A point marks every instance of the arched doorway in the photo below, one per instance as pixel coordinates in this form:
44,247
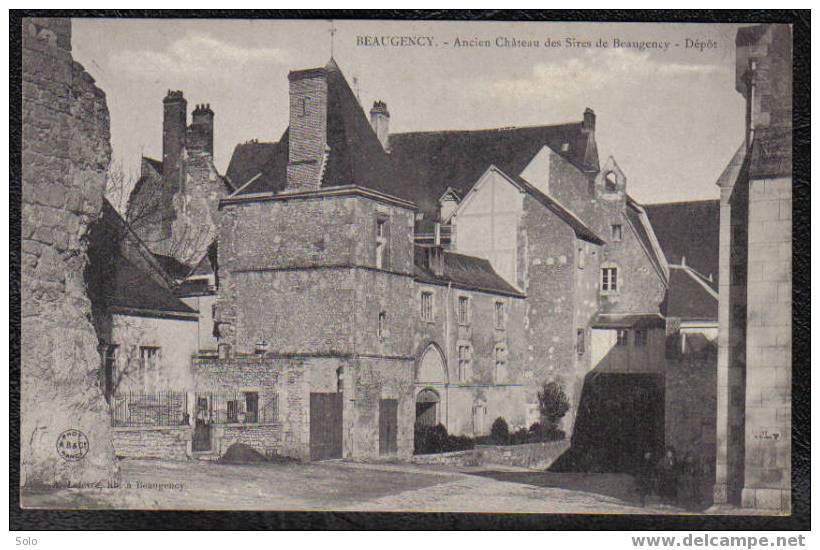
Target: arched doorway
427,403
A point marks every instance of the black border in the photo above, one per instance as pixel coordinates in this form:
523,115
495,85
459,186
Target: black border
20,519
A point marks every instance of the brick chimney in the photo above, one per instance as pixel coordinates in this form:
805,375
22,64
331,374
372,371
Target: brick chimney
174,127
588,125
380,121
308,128
201,134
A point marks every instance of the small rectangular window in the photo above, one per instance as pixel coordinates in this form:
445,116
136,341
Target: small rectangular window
623,337
382,243
500,364
617,232
463,310
582,260
640,338
149,356
427,306
500,315
382,327
580,344
464,363
609,279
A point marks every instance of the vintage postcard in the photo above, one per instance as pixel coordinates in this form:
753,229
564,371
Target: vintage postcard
430,266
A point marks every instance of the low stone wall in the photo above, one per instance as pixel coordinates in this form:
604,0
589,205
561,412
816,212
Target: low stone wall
169,443
530,455
266,439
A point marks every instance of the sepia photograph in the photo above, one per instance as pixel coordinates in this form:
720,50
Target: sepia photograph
371,265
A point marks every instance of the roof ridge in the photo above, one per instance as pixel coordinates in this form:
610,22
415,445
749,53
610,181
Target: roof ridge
477,130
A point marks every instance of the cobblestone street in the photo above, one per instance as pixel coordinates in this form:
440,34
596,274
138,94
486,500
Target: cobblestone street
352,486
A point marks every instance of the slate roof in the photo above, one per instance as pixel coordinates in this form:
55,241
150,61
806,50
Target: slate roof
176,269
427,163
420,167
356,154
645,231
135,290
690,296
688,230
627,320
127,285
462,271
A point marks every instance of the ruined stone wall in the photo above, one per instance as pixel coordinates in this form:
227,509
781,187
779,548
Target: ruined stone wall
65,156
166,443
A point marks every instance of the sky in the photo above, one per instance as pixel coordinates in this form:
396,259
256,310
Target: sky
669,116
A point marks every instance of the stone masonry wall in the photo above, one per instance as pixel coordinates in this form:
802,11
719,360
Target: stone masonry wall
549,248
768,346
159,443
65,156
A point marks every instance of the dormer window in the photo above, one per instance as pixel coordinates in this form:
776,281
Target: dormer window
610,182
564,147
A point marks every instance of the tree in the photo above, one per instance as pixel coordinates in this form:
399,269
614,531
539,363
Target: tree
552,403
500,432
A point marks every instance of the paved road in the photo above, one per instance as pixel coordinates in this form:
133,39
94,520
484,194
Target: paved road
352,486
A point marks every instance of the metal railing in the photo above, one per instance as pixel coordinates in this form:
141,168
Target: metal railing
238,407
139,408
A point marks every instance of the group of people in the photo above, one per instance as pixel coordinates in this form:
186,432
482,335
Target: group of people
672,480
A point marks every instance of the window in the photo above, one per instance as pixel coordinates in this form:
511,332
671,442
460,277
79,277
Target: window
610,182
463,311
609,280
303,106
582,260
382,239
233,411
251,407
340,379
149,356
623,337
382,327
427,306
640,338
464,363
500,315
580,344
500,364
617,232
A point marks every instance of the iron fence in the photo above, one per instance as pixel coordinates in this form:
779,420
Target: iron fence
238,407
139,408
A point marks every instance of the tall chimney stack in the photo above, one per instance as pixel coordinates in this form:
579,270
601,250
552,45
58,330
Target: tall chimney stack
307,136
588,125
174,126
380,121
202,130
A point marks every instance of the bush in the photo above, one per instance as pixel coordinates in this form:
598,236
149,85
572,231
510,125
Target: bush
435,439
552,404
500,432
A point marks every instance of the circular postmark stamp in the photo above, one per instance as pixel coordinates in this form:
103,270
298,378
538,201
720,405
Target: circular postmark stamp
72,445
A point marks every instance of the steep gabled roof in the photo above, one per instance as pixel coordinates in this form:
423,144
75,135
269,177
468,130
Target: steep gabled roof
463,271
136,292
427,163
688,233
356,156
173,267
690,296
639,221
420,167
